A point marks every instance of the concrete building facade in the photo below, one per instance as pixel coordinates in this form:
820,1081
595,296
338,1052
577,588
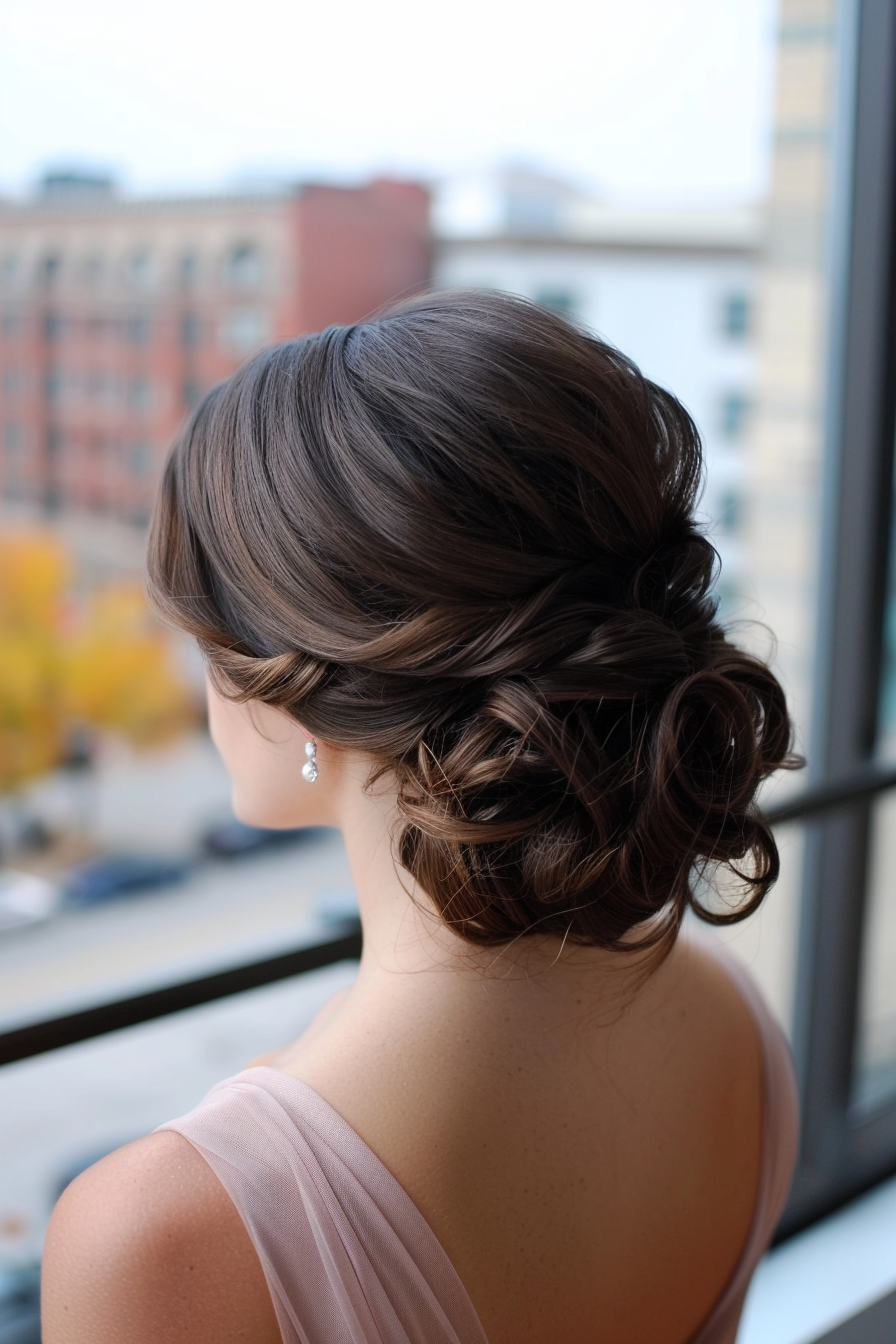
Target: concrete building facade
673,289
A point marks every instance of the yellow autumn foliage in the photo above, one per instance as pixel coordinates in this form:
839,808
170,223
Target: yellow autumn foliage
64,664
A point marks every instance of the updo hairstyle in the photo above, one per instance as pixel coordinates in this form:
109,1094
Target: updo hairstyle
459,537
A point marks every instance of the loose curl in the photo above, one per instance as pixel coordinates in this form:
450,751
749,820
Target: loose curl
460,538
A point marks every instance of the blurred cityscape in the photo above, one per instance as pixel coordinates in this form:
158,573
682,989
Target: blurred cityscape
117,313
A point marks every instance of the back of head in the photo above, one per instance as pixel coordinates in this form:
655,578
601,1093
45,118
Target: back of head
460,538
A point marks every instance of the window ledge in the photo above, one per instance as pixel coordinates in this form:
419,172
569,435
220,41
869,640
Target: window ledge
811,1288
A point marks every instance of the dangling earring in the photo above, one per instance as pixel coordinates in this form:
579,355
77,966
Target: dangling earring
309,769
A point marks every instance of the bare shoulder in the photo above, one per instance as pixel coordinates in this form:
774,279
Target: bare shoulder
146,1247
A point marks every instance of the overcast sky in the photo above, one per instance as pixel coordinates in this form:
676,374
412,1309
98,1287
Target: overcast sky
644,99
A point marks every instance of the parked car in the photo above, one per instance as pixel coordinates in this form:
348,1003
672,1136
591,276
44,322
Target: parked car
120,875
20,1304
26,899
228,839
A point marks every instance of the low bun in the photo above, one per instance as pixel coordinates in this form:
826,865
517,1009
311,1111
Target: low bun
460,539
582,799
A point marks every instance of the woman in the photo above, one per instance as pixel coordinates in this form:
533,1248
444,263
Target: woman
445,572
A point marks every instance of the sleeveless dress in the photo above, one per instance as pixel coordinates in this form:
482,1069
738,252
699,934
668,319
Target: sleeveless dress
348,1256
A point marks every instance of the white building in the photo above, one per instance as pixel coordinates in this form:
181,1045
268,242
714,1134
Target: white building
673,289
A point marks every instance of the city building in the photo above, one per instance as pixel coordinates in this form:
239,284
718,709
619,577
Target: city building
673,289
116,315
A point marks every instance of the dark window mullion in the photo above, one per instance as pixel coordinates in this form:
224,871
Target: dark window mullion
855,524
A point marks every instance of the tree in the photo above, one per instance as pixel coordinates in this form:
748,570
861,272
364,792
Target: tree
68,663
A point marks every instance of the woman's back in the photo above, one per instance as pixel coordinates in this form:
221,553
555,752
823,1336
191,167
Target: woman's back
590,1178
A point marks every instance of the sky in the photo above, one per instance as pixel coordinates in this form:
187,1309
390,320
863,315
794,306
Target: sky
642,100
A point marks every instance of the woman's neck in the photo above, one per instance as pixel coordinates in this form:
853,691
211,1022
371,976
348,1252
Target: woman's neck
409,950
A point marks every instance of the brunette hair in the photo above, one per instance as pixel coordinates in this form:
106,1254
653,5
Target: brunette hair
460,537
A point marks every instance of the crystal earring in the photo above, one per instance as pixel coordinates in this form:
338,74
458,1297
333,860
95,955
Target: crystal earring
309,769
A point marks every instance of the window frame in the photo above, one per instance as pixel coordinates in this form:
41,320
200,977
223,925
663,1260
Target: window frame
843,1151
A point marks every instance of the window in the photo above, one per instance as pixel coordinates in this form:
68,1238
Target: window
50,268
94,269
140,461
244,268
141,269
139,330
188,269
190,331
835,898
54,327
561,300
14,475
730,511
12,382
736,315
140,395
13,438
244,331
10,323
10,270
734,410
191,394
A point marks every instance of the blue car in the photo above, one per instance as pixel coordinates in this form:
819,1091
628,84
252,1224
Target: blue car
119,875
230,838
20,1304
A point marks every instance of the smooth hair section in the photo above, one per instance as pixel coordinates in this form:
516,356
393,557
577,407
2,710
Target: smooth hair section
460,537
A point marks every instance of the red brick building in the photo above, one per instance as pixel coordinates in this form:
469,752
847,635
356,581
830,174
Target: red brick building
116,315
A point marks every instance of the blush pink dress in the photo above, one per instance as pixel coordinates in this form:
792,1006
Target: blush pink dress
349,1258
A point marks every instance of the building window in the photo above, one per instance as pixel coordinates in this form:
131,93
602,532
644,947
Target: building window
141,269
735,410
140,461
736,315
13,438
11,323
50,268
140,395
112,389
139,330
244,267
188,269
561,300
12,382
730,512
54,327
244,331
10,271
94,266
191,394
53,387
190,331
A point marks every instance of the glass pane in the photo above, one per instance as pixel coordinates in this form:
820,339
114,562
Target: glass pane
766,942
228,910
783,451
694,239
875,1076
118,1087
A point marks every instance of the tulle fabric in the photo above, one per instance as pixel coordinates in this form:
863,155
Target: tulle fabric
349,1258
